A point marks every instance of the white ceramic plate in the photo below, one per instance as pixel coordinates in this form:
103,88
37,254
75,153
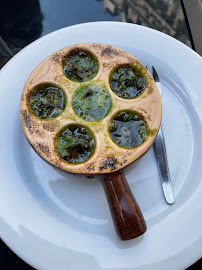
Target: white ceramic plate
56,221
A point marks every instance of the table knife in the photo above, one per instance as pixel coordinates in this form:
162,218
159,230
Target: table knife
161,156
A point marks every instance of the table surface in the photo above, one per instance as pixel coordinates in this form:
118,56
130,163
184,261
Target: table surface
22,22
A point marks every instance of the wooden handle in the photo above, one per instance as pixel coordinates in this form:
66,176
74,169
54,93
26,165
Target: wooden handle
127,216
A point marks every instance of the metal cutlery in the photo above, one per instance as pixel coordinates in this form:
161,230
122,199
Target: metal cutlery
161,156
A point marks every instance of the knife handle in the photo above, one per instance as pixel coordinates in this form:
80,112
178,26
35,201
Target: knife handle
162,162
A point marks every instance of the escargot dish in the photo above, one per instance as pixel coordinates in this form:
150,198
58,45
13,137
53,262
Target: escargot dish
90,108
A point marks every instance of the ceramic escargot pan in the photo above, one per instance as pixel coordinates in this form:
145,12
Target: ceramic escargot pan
90,109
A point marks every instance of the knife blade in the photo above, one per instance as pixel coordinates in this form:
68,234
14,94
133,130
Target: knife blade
161,155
